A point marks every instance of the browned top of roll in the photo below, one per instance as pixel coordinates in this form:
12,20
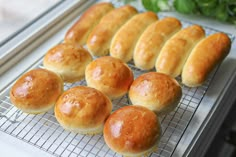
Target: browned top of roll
110,75
67,60
82,107
204,57
79,32
176,50
156,91
131,130
152,40
99,40
125,39
36,89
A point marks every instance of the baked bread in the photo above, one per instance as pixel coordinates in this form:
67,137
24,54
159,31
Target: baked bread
176,50
79,32
124,41
36,91
109,75
157,91
82,110
132,131
152,40
67,60
99,40
204,57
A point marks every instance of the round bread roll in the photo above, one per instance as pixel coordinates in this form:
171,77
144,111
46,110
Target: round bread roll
83,110
109,75
36,91
67,60
132,131
156,91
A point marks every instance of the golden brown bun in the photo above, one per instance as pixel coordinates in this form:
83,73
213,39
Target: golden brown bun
68,61
204,57
99,40
132,131
36,91
156,91
83,110
124,41
152,40
109,75
176,50
79,32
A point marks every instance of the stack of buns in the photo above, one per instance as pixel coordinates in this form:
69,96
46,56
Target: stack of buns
124,34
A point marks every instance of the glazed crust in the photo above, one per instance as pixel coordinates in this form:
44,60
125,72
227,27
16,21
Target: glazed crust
132,130
175,52
67,60
79,32
109,75
204,57
81,109
124,41
156,91
152,40
99,40
36,91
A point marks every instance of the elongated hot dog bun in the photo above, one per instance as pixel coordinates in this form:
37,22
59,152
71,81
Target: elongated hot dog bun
152,40
79,32
99,40
124,41
177,49
204,57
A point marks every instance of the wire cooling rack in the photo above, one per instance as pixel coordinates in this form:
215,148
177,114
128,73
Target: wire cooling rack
44,132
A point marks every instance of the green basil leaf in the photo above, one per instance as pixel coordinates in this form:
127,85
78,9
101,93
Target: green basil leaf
207,3
207,11
185,6
163,5
155,7
147,4
221,12
231,9
151,5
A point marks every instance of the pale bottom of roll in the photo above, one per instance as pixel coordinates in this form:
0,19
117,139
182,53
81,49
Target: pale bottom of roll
85,131
37,111
145,153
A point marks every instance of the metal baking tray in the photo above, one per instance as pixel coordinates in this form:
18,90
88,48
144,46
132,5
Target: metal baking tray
43,131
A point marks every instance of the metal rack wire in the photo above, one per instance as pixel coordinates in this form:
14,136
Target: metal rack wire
44,132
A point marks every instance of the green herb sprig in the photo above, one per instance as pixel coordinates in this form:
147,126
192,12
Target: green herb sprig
224,10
